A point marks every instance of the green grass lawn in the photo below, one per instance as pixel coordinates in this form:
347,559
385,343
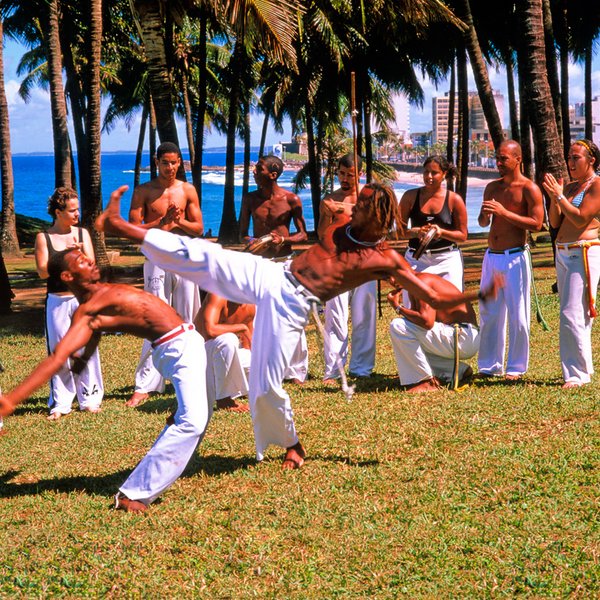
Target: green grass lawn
492,491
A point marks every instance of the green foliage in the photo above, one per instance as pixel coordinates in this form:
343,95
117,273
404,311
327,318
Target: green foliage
492,491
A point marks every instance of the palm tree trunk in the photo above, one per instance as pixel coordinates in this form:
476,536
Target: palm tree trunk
152,138
92,196
480,74
551,65
462,149
228,229
368,137
246,180
263,133
564,82
9,243
512,100
201,109
314,167
524,126
185,94
60,132
6,293
77,102
548,145
451,103
589,125
150,24
140,147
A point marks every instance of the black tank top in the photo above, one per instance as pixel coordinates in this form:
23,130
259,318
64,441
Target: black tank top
55,285
443,219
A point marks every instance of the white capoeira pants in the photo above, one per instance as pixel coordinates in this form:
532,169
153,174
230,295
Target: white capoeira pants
282,312
87,386
513,305
423,353
575,320
182,360
447,264
363,312
227,368
184,297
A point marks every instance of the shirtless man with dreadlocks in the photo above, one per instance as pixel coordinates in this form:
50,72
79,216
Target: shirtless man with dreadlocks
351,252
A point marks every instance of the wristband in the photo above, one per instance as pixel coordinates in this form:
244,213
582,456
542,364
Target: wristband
398,309
560,198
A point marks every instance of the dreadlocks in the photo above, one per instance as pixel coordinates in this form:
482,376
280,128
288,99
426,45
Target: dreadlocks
385,209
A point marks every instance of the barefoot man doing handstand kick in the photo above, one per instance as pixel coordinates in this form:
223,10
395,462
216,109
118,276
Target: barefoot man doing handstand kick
348,254
178,353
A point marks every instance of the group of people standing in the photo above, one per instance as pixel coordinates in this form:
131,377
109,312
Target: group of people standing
265,302
512,206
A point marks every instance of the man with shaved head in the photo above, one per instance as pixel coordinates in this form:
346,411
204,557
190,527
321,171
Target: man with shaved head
512,205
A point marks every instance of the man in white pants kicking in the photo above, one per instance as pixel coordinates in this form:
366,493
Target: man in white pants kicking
346,257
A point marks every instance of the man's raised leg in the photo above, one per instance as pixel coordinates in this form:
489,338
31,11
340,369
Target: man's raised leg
111,221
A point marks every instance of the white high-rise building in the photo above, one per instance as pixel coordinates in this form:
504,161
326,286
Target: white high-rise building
401,126
577,120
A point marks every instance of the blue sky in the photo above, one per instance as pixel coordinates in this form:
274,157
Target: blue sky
31,128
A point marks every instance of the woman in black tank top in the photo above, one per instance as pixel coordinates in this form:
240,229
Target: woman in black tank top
63,207
432,207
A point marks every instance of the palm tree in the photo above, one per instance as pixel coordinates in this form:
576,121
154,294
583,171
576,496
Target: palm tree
91,195
150,20
9,244
584,22
540,107
63,168
36,25
480,73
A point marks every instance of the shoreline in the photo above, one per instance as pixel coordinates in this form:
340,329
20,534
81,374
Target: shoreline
417,179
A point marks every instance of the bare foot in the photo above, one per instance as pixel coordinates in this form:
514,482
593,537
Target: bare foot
94,410
111,212
513,377
294,457
136,399
124,503
429,385
231,406
331,381
571,385
55,416
295,381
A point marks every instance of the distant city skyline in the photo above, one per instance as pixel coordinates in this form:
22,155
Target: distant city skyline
31,126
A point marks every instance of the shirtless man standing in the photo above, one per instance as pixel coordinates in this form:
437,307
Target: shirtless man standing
272,210
362,300
227,330
347,256
177,352
171,205
513,206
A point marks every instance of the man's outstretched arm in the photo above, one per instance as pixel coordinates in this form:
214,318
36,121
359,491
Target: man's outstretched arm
77,337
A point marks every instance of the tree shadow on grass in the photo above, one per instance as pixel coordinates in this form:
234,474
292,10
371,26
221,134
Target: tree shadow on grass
109,483
24,321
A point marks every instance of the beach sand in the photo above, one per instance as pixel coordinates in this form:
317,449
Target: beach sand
417,179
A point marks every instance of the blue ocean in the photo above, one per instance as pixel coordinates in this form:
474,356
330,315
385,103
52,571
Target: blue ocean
34,182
